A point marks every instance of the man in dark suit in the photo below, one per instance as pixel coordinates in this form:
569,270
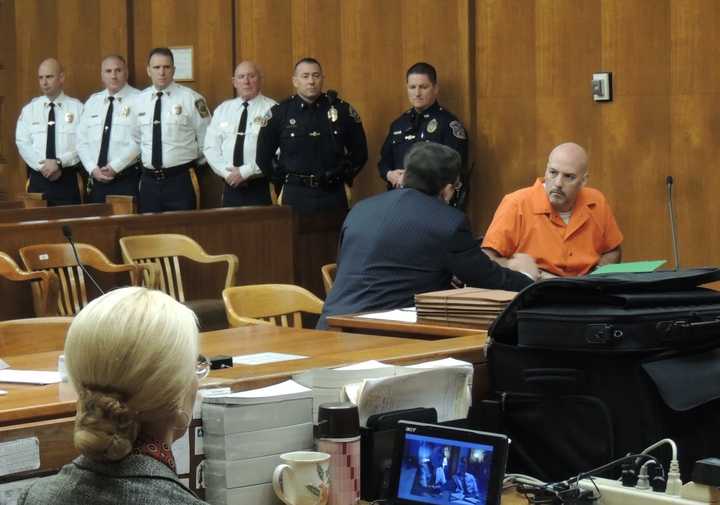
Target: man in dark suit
410,241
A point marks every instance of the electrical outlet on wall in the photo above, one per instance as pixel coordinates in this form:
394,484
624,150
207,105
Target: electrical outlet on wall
602,87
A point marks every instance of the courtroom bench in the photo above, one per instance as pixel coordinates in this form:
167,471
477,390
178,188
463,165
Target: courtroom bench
59,212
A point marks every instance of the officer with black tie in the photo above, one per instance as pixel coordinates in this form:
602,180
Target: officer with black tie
231,140
172,120
108,137
45,138
322,144
425,121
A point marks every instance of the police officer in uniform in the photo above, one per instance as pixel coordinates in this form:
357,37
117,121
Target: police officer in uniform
426,121
322,144
108,138
172,120
45,138
231,140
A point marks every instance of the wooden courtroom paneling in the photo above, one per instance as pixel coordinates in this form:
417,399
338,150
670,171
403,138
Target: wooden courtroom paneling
8,105
205,25
695,129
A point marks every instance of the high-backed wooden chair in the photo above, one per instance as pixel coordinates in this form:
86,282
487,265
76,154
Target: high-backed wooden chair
47,285
328,276
162,252
39,334
59,259
279,304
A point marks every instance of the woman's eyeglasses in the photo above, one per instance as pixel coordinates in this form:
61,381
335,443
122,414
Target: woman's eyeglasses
202,367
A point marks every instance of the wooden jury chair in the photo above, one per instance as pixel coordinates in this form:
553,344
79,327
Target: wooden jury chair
27,336
328,276
279,304
46,283
162,252
59,259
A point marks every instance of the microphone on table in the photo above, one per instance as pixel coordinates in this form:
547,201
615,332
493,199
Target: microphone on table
673,224
68,235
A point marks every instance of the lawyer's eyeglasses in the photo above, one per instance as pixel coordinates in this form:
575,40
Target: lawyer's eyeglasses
202,367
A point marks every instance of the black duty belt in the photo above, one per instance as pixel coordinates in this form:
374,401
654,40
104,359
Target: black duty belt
160,174
313,180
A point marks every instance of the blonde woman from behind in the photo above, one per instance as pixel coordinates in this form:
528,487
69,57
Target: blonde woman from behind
132,356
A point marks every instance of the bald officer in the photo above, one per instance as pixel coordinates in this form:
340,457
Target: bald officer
231,140
173,120
45,138
108,139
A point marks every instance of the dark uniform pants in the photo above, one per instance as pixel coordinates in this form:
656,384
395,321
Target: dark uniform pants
170,193
307,200
125,183
64,191
253,192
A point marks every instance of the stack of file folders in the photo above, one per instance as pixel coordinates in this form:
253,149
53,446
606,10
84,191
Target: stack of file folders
476,306
245,433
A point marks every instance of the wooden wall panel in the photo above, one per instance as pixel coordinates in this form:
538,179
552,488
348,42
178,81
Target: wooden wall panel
504,141
9,176
207,26
695,127
636,126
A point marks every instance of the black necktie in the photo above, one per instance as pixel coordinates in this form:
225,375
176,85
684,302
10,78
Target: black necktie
157,135
50,143
105,143
240,139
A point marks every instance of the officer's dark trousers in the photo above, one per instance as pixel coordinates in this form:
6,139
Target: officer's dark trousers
306,200
171,193
64,191
126,182
253,192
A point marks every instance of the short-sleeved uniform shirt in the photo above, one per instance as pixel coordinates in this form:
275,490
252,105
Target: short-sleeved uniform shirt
525,222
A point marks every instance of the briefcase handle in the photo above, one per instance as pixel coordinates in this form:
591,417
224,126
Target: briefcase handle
687,332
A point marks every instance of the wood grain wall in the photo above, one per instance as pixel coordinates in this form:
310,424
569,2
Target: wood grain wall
517,72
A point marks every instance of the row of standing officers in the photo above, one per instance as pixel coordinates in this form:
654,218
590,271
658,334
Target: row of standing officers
144,143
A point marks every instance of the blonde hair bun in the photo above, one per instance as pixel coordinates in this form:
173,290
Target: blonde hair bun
105,428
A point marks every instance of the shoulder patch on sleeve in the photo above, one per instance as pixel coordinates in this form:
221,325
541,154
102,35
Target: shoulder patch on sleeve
458,130
202,107
354,114
266,118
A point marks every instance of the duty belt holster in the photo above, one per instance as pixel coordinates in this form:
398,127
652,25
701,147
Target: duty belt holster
313,180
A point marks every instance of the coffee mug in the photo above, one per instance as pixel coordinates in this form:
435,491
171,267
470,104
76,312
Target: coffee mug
303,478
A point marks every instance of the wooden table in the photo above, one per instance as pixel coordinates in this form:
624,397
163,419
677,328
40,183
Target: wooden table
47,411
428,330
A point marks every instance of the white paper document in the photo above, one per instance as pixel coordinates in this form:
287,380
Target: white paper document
288,390
3,365
445,389
29,376
19,456
262,358
408,315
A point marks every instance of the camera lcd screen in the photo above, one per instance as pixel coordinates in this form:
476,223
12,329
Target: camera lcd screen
439,465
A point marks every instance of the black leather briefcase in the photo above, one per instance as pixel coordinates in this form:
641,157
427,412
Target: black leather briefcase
583,370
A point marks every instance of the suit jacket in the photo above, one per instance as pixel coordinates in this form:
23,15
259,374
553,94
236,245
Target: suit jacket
404,242
135,480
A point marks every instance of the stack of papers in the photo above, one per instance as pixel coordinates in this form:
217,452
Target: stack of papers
475,306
